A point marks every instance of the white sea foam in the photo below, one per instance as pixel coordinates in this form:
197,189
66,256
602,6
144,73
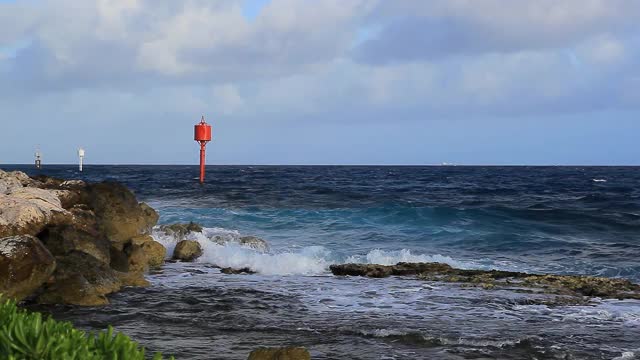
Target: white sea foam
382,257
311,260
599,180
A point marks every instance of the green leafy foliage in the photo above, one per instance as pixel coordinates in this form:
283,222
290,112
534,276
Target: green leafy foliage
26,336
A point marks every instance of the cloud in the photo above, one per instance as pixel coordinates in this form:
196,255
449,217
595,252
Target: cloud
356,59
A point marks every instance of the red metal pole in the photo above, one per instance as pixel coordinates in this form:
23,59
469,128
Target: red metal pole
202,160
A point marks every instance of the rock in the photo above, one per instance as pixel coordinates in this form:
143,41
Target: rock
495,279
80,279
8,182
252,242
284,353
370,270
244,270
118,214
187,250
180,231
154,251
25,264
26,211
64,239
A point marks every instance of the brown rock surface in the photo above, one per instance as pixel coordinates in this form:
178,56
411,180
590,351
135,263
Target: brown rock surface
25,264
187,250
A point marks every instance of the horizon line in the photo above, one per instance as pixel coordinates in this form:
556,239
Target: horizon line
355,165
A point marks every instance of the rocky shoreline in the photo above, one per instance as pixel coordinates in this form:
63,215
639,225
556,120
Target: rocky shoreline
70,242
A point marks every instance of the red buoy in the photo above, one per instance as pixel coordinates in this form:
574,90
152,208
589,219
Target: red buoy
202,134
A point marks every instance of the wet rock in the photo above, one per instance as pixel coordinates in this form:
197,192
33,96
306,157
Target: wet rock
252,242
25,264
80,279
187,250
284,353
230,270
64,239
180,231
153,250
119,216
490,279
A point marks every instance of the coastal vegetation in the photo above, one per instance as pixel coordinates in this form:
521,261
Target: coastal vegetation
28,335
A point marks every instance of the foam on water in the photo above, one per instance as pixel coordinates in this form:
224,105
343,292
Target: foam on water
309,260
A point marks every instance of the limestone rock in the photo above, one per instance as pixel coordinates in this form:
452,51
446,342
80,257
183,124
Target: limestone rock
28,210
187,250
284,353
118,214
80,279
180,231
25,264
153,250
252,242
63,239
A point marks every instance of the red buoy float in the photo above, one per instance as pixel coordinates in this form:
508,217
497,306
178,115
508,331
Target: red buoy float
202,134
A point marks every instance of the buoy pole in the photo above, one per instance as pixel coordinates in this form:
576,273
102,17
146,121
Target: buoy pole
203,152
202,134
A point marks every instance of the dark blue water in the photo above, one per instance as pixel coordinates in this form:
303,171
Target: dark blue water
570,220
550,219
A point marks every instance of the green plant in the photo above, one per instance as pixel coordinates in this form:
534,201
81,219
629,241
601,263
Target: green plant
26,336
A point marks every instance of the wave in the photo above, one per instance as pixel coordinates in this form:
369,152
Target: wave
309,260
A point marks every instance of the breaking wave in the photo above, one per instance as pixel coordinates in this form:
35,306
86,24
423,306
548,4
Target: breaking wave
309,260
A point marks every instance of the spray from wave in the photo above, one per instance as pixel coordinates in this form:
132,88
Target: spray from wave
310,260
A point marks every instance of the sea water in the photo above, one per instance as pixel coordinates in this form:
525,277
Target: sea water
566,220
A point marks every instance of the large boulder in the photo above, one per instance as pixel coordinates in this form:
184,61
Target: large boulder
154,251
25,264
80,279
64,239
284,353
118,214
187,250
28,210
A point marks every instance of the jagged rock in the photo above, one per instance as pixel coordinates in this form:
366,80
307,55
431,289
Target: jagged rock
180,231
26,211
25,264
187,250
118,214
93,230
284,353
490,279
154,251
64,239
80,279
230,270
252,242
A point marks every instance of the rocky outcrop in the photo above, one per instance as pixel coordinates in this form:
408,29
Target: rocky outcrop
25,264
180,231
98,234
491,279
153,251
252,242
26,211
187,250
119,216
284,353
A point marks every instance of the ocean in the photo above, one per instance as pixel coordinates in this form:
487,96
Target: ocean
564,220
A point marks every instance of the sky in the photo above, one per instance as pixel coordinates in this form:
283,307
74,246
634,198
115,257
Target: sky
552,82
